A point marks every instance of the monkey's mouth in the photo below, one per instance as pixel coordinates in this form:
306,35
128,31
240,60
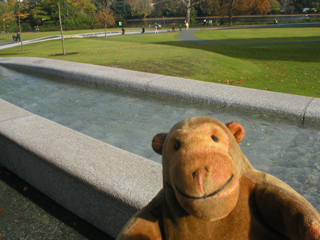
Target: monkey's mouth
206,196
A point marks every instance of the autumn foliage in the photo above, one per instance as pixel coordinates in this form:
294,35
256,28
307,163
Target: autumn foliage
82,14
105,17
245,7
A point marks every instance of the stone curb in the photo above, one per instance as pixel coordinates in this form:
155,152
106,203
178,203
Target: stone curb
301,108
100,183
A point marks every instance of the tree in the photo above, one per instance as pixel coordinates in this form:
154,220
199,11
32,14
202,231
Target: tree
58,3
105,17
61,29
159,8
169,8
244,7
6,17
37,13
84,6
261,7
20,5
140,8
208,8
121,8
228,7
285,4
101,4
72,12
275,6
189,4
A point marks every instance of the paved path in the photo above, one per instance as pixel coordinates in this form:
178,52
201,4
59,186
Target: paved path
188,35
87,35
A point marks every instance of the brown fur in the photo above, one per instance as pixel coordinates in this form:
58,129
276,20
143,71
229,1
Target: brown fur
211,191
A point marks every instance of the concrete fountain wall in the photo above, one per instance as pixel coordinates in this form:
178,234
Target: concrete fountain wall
304,109
101,183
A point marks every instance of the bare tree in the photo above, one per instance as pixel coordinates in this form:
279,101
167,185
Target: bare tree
58,4
230,12
20,16
105,16
61,30
189,4
285,4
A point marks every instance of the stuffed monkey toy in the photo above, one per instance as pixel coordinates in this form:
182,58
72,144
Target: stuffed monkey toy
211,191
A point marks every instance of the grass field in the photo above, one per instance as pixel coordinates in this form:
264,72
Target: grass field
288,68
297,34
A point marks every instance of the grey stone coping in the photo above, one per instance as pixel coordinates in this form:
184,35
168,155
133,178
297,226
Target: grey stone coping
100,183
304,109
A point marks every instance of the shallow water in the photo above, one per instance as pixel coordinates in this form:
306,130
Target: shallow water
129,121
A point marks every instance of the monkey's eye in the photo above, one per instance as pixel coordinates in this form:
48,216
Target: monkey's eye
214,138
177,145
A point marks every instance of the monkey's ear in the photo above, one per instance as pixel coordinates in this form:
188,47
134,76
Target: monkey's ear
157,142
237,130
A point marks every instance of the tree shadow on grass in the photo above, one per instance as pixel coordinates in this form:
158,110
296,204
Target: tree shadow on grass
299,52
13,54
61,54
267,40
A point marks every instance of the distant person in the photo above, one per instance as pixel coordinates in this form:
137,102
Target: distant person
123,31
173,27
156,28
180,27
14,37
204,22
187,25
142,30
18,38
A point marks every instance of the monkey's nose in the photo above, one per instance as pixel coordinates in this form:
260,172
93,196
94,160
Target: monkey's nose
199,177
201,171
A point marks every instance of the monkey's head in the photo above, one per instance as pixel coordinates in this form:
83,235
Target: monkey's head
202,164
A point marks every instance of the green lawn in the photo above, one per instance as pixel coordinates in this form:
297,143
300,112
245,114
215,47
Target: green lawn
288,68
296,34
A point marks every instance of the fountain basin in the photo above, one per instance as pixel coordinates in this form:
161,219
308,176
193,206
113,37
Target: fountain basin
304,109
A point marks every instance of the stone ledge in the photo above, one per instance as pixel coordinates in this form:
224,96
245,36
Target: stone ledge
301,108
100,183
